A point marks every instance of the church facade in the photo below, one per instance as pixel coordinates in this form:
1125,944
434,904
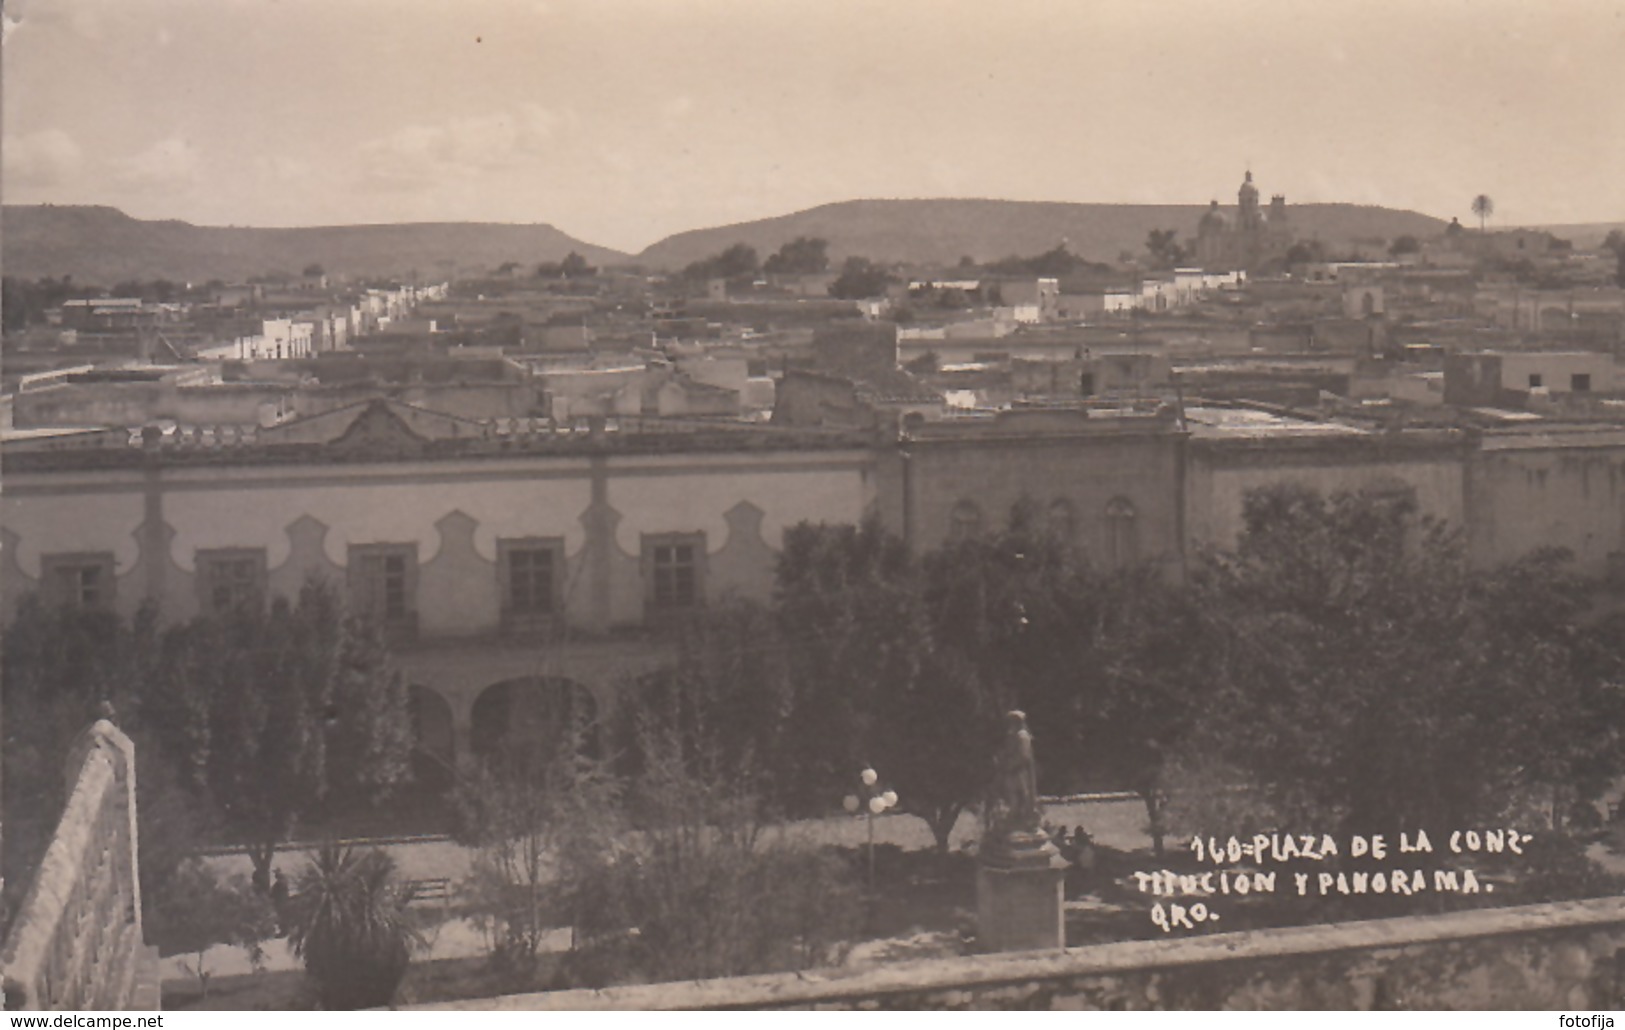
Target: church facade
1253,239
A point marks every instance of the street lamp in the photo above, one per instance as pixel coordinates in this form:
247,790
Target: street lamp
874,800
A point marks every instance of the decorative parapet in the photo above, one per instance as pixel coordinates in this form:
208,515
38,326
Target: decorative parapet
76,942
1568,955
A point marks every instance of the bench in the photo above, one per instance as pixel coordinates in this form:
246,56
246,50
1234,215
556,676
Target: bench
436,889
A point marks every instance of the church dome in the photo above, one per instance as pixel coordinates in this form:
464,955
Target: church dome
1248,191
1212,220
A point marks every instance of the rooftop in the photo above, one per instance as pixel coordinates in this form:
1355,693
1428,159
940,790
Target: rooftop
514,439
1251,423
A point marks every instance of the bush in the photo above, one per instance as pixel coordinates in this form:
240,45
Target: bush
692,893
537,819
727,910
194,911
1555,867
349,924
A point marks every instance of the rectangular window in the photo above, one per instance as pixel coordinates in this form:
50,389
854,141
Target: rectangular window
231,580
1580,382
83,581
383,583
674,570
531,574
1535,380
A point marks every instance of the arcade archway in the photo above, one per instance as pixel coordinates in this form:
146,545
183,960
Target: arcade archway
434,738
525,723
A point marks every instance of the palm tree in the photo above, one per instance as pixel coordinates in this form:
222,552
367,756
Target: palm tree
350,927
1615,242
1483,207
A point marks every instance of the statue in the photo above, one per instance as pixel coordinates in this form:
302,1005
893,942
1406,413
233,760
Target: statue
1012,809
1020,874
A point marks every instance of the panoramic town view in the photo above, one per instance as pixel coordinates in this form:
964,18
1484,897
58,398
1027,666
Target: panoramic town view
635,505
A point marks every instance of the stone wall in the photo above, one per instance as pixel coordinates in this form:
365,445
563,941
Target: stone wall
1110,487
1220,473
1559,489
1560,956
76,942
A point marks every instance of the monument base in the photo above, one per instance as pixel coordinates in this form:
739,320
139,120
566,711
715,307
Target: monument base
1020,892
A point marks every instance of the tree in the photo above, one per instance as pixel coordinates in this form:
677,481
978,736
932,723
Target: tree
907,664
1538,630
1015,606
1164,248
349,924
1365,679
14,304
1107,663
1324,621
936,737
695,893
1303,252
1405,245
736,262
63,669
1144,684
574,266
1056,261
845,605
860,279
804,255
731,687
1483,207
278,717
540,814
1615,243
197,911
873,682
314,270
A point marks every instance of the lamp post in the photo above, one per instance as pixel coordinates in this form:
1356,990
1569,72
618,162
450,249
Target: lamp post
873,799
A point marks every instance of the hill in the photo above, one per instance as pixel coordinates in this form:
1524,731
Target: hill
941,231
1584,235
103,245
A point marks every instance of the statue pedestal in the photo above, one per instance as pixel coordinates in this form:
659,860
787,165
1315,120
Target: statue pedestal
1020,888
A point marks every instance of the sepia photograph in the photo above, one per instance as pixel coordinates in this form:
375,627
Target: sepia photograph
556,506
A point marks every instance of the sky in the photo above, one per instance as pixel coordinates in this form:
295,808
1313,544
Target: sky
623,121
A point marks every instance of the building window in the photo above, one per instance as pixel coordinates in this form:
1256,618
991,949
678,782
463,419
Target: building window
531,573
964,521
231,580
1535,381
674,570
1122,544
1580,382
82,581
383,584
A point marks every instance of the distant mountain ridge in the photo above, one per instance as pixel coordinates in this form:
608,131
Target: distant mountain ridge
1584,235
104,245
942,231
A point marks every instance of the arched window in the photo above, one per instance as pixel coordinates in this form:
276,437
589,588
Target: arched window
1122,544
965,521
